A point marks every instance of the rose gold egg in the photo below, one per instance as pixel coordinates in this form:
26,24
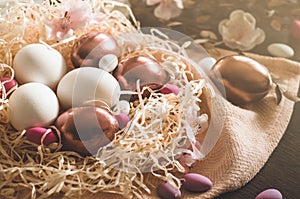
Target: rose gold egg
86,129
245,80
91,47
142,68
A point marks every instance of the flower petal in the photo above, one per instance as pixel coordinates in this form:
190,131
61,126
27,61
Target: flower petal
239,31
167,10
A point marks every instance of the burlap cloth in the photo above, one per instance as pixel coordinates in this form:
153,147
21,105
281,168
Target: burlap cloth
249,136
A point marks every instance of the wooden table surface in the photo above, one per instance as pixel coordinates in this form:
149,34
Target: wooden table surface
282,170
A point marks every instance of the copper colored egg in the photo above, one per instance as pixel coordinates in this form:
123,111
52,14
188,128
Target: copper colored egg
142,68
244,80
91,47
86,129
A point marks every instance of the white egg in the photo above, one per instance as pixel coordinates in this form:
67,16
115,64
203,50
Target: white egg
280,50
33,104
39,63
87,84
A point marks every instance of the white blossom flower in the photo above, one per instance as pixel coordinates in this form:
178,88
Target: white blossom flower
240,31
77,14
166,9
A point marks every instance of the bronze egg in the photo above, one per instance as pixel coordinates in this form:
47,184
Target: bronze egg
90,48
86,129
142,68
244,80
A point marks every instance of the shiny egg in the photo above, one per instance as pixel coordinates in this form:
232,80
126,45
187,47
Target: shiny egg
241,79
86,129
90,48
142,68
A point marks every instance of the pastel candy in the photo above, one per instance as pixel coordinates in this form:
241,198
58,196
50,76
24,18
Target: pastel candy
269,194
166,191
196,183
35,135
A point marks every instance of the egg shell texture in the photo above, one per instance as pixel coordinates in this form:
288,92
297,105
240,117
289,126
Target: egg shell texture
39,63
85,84
32,104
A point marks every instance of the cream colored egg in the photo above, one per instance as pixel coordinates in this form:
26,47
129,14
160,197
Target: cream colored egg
86,84
39,63
33,104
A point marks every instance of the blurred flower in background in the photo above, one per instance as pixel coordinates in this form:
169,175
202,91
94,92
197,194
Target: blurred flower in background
166,9
239,31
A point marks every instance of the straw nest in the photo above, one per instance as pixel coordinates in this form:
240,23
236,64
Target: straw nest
29,170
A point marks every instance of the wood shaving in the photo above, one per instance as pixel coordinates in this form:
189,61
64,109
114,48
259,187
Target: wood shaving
36,171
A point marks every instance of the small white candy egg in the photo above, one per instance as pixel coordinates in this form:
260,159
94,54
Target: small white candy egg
108,62
39,63
32,104
280,50
87,84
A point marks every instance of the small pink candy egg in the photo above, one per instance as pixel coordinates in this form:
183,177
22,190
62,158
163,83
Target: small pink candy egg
166,191
196,183
35,135
296,29
269,194
170,88
9,84
122,119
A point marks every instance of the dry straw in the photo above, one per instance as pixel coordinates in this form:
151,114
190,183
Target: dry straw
160,125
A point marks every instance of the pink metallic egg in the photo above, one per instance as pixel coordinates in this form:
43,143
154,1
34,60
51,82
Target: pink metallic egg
9,84
86,129
35,135
142,68
196,183
91,47
166,191
269,194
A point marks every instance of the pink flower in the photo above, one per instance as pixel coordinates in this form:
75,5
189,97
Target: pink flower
76,14
166,9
